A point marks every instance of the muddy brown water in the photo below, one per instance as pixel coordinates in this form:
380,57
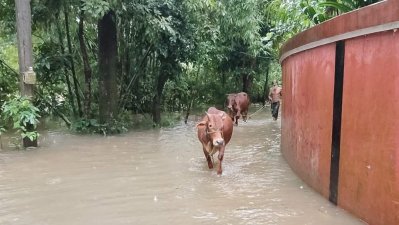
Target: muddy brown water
159,177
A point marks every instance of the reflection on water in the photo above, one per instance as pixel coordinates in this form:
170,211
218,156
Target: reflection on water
158,177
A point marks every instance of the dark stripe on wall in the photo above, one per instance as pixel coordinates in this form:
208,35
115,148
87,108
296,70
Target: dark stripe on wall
337,115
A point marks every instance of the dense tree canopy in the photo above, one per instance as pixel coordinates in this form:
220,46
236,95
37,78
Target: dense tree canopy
101,61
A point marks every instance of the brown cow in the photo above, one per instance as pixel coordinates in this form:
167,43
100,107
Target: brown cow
214,133
231,105
238,105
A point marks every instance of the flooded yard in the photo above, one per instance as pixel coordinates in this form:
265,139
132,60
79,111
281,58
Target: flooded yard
159,177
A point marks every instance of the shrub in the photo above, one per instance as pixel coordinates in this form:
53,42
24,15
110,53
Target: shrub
23,115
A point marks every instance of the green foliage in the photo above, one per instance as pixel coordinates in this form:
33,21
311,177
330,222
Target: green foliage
92,126
85,126
96,8
8,66
343,6
50,72
314,11
8,84
170,119
291,17
7,16
22,113
175,54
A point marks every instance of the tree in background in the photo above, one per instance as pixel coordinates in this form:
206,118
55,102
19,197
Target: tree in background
27,80
107,67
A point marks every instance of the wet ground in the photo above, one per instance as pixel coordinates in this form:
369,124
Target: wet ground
159,177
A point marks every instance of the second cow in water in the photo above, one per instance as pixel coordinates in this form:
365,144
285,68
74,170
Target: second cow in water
237,105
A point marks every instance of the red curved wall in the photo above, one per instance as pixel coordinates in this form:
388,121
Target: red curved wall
368,178
369,169
307,113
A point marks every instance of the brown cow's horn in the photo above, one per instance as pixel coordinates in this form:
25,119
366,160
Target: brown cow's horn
207,115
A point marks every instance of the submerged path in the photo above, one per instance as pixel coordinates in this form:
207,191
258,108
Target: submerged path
159,177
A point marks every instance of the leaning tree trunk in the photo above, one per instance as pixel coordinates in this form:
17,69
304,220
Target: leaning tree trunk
86,66
25,58
107,67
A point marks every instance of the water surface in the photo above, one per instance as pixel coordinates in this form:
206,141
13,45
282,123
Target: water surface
159,177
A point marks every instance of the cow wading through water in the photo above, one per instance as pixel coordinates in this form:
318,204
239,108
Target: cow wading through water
237,105
214,133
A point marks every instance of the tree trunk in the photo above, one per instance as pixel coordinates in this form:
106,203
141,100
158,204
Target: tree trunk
266,86
66,75
156,107
74,78
246,81
86,66
247,77
24,34
25,58
107,67
193,94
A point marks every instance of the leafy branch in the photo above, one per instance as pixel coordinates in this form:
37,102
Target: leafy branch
23,114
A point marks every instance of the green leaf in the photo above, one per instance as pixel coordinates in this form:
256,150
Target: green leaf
339,6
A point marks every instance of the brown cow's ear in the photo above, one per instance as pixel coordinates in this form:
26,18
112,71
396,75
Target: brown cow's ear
223,115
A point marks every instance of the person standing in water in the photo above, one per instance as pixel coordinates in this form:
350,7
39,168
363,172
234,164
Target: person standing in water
275,95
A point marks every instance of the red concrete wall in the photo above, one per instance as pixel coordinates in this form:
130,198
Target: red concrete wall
369,161
308,85
368,180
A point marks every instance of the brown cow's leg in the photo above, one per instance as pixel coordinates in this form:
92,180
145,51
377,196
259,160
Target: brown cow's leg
234,117
220,167
231,114
220,157
221,153
208,159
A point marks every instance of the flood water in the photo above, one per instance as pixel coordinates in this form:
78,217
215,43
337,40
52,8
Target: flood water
159,177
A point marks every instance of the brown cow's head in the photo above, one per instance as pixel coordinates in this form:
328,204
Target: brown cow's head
214,127
240,101
231,104
231,101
